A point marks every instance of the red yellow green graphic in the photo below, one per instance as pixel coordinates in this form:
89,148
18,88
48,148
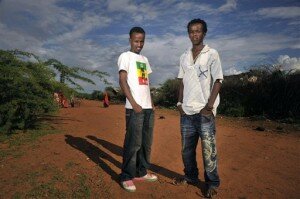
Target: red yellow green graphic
142,73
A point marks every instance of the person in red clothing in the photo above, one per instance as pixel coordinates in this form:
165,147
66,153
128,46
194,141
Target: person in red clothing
63,101
105,100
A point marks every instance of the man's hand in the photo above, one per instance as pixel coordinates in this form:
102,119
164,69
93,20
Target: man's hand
181,111
153,107
137,108
206,110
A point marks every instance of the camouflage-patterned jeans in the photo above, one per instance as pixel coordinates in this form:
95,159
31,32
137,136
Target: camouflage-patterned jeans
193,127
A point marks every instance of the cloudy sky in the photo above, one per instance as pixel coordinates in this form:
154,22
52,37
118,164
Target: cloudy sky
93,33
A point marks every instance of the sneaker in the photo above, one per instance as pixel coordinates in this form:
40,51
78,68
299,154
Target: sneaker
128,186
210,192
148,177
183,181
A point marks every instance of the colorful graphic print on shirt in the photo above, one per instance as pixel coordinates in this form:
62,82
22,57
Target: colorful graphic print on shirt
142,73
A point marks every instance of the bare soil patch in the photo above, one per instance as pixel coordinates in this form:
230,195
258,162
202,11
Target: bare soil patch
84,159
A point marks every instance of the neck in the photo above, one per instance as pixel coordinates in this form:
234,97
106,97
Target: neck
198,47
134,52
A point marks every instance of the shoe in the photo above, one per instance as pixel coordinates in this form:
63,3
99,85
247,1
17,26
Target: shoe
148,177
128,186
210,192
183,181
180,181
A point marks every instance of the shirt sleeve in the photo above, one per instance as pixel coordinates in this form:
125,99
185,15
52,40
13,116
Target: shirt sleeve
216,68
149,70
181,71
123,62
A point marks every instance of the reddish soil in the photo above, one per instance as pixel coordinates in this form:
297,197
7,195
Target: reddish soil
252,164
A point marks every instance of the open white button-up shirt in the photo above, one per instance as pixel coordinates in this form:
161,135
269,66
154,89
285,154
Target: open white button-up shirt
198,77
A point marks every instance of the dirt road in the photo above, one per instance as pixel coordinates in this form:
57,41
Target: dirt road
84,159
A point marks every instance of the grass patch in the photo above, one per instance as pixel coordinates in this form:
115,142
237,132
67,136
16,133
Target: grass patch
51,182
17,195
46,190
10,143
81,190
70,165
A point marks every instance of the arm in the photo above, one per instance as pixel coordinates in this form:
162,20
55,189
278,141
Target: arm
207,110
180,96
217,76
125,88
153,107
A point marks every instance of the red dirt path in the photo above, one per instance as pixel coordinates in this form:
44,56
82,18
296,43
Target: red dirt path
252,164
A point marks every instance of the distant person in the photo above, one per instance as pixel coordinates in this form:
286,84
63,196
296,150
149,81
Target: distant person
105,100
56,97
63,101
139,112
200,75
72,100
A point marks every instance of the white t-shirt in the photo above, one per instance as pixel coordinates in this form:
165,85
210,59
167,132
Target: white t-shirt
198,78
138,69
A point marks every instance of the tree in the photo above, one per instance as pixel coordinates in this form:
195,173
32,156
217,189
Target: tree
26,92
167,94
27,85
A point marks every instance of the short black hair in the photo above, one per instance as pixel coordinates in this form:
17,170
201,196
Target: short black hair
195,21
136,30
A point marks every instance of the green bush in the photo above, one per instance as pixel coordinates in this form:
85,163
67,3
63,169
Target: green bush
274,94
26,91
235,111
167,94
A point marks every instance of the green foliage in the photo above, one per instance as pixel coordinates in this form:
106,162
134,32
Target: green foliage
167,94
115,95
97,95
271,93
69,74
26,92
27,85
274,94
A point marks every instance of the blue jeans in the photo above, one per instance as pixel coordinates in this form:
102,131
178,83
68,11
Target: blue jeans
137,143
193,127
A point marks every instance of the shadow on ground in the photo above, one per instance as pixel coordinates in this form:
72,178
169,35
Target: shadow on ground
97,155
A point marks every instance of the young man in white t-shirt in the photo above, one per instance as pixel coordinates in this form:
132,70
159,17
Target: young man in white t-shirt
200,75
134,69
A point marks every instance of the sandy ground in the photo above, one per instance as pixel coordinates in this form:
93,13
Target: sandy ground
252,164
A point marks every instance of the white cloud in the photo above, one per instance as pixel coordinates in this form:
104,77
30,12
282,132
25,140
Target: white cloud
280,12
163,53
52,31
12,39
80,28
122,5
289,63
183,6
228,6
129,9
247,49
232,71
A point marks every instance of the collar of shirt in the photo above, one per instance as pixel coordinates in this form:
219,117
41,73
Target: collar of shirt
190,54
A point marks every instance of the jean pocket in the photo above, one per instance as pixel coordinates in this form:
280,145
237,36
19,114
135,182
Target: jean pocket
183,118
207,118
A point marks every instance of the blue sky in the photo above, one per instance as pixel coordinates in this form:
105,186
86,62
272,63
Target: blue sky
93,33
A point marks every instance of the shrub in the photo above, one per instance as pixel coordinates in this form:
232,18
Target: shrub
167,94
26,90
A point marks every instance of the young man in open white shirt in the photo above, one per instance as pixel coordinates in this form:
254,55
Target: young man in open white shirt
134,69
200,76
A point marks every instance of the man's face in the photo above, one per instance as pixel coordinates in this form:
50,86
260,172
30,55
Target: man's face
196,34
137,42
